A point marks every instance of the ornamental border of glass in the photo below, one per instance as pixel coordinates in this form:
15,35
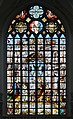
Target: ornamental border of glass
36,64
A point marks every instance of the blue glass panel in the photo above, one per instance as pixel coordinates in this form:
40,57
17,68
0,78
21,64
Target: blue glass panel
32,36
17,39
55,39
62,39
10,39
47,36
24,36
36,12
40,36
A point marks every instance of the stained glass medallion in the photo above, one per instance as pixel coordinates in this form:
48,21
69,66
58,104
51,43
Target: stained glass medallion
36,64
36,12
36,26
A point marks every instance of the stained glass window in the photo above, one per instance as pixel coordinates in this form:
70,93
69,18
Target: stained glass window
36,64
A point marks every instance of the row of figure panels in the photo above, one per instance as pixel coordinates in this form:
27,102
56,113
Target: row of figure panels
40,108
32,79
34,47
39,112
33,73
46,53
46,56
17,40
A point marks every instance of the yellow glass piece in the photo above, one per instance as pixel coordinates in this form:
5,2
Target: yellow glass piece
13,21
62,28
44,19
28,19
10,28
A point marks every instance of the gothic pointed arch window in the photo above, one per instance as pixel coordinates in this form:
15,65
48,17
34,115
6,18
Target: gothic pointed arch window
36,63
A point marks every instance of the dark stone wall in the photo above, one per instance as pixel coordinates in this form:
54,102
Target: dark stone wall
63,9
